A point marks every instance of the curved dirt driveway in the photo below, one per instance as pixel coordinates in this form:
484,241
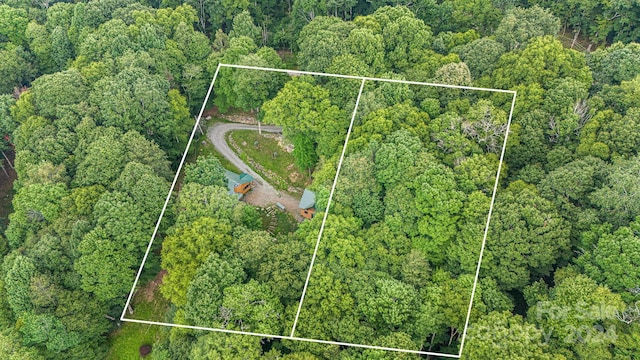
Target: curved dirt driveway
262,194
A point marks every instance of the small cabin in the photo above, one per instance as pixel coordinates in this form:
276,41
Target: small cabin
238,184
307,204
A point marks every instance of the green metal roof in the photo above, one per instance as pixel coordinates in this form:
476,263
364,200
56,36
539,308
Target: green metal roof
234,180
308,199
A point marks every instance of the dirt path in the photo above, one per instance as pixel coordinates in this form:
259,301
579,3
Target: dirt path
263,194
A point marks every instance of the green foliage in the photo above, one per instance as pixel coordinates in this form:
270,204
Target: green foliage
480,55
302,107
19,271
243,26
204,295
617,197
226,346
185,249
527,236
502,334
12,349
251,307
519,25
14,23
542,61
614,259
614,64
206,171
582,304
16,68
34,207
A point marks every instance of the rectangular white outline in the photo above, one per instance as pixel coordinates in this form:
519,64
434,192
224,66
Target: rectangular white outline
291,337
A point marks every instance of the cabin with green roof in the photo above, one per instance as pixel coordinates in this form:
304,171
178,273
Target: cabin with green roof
238,184
307,204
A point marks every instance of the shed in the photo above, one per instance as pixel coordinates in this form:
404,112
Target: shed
307,204
238,184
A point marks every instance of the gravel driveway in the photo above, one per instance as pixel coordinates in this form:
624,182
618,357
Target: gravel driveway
263,194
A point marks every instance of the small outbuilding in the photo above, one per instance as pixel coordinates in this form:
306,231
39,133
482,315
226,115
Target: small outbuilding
307,204
238,184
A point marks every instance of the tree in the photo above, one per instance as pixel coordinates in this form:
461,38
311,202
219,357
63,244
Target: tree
11,348
504,335
578,309
59,89
304,152
542,61
520,24
243,26
358,189
477,172
284,269
251,248
149,114
34,207
400,212
614,64
481,16
61,48
320,41
526,238
226,346
618,197
15,68
105,265
204,295
206,171
196,201
253,88
453,74
302,107
480,55
389,304
405,38
103,162
251,307
13,24
238,48
368,47
221,12
19,272
327,303
464,252
439,201
613,259
396,157
618,133
185,249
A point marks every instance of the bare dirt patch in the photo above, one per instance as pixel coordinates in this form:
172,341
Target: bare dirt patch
146,292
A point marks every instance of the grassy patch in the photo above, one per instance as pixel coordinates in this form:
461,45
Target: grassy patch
282,166
284,222
124,343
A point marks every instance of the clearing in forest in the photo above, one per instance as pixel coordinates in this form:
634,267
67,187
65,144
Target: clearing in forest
394,183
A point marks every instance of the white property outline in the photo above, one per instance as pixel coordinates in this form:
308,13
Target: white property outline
292,337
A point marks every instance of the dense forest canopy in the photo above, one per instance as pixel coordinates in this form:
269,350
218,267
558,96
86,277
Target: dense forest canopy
97,103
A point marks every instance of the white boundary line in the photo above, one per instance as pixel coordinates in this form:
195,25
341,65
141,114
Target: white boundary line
486,228
454,356
326,212
166,201
297,72
291,337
